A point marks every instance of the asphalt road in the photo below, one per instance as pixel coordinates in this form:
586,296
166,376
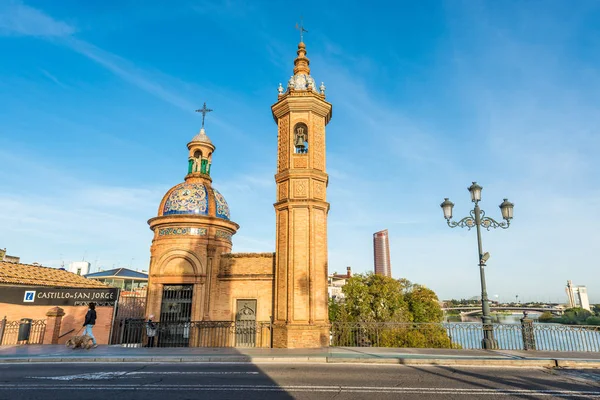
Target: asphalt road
145,381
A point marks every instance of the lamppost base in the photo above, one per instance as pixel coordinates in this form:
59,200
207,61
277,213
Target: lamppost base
489,344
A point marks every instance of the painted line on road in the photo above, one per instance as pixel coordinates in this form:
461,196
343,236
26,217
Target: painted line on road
93,376
339,389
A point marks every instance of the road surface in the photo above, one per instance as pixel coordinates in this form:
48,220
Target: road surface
155,381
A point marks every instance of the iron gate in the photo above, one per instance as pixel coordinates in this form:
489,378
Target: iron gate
176,311
129,308
245,323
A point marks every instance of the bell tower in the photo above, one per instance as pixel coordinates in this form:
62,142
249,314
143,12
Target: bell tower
300,314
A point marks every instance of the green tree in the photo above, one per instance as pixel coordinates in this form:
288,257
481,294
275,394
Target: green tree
592,320
546,317
574,316
381,311
375,298
423,304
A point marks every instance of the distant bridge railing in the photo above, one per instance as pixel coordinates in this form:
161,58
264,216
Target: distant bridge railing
477,309
465,336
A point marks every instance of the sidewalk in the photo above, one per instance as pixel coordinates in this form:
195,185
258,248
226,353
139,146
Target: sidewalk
443,357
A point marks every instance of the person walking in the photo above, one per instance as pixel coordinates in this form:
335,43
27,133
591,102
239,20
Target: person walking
150,331
90,321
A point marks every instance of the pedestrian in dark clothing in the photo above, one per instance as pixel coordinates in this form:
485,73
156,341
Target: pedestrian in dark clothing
90,321
150,331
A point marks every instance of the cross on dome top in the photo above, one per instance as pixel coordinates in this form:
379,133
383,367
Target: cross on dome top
204,111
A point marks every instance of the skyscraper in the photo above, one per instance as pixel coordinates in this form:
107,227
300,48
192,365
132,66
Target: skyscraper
381,252
578,296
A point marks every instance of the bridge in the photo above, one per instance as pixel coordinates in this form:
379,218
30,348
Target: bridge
472,310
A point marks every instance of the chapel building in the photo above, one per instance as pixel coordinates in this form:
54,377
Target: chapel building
195,278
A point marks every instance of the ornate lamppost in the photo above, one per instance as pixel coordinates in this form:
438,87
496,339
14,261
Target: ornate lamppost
478,219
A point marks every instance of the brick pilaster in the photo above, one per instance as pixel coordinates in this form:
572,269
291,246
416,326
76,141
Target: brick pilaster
53,321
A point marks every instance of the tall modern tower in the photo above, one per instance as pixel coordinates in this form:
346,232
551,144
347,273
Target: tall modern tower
381,252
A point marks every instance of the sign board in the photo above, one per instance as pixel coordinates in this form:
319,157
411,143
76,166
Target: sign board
47,296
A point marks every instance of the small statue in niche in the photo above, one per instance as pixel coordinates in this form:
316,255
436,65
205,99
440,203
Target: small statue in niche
301,138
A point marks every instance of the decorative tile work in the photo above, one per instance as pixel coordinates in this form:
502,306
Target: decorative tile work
301,188
284,137
182,231
318,143
223,235
283,191
187,198
301,161
302,82
319,190
221,203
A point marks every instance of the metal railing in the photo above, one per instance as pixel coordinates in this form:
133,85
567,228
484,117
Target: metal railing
9,332
464,336
138,333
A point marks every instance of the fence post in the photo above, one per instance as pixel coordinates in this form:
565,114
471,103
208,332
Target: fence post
53,322
2,327
528,332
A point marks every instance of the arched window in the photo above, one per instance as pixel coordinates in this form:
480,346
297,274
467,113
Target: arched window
300,138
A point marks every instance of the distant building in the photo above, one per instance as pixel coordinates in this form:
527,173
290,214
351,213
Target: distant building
6,258
577,296
122,278
381,252
335,283
80,267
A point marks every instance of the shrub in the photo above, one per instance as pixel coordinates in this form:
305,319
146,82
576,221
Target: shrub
546,317
592,321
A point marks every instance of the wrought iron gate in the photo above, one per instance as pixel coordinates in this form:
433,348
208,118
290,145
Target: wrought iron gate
176,311
245,323
129,308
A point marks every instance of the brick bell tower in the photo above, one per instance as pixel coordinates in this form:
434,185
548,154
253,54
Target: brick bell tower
300,312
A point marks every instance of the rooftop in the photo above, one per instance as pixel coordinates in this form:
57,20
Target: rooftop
118,273
33,275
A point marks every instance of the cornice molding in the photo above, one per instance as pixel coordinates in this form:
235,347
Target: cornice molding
311,102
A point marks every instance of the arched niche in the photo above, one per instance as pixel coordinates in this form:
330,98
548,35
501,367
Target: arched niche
180,263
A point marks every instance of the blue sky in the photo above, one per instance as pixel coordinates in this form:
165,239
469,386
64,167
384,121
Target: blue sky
97,101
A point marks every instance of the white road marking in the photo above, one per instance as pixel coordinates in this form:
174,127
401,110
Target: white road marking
342,389
94,376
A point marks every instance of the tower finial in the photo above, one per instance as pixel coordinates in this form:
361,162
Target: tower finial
301,29
301,63
204,111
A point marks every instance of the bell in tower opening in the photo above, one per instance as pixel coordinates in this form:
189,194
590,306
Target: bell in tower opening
301,138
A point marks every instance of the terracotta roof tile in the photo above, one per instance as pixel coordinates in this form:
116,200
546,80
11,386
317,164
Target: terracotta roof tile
25,274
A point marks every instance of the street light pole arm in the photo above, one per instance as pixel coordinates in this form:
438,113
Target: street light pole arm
488,222
466,222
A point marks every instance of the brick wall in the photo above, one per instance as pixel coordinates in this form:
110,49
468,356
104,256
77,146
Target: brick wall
243,276
73,318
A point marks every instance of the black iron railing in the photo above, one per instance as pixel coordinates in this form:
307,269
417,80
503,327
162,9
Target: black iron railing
9,332
139,333
465,336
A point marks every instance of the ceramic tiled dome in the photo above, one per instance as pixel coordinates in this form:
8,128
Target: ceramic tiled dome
192,198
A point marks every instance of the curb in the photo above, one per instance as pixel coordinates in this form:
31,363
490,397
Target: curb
449,362
577,364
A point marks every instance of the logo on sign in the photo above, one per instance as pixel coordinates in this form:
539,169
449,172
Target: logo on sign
29,296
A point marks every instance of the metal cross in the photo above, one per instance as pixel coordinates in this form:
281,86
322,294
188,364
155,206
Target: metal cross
204,111
301,29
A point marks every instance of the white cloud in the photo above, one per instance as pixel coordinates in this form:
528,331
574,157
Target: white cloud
17,18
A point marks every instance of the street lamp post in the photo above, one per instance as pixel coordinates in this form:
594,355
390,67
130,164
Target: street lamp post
478,219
